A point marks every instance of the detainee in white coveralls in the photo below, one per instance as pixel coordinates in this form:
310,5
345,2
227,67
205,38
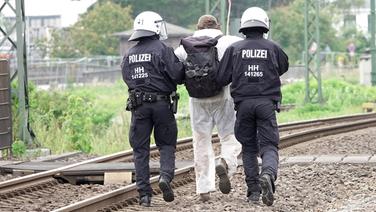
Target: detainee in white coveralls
205,113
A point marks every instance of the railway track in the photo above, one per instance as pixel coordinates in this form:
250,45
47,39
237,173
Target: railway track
122,197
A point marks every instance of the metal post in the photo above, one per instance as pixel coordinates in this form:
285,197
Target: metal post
373,46
318,55
24,133
307,90
207,6
223,15
312,58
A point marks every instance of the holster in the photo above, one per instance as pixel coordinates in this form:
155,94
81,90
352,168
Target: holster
134,100
278,106
175,99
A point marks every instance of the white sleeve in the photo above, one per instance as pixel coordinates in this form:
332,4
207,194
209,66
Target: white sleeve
181,53
225,42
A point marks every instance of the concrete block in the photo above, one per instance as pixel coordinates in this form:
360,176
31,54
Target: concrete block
117,177
40,152
356,159
282,159
372,159
300,159
329,158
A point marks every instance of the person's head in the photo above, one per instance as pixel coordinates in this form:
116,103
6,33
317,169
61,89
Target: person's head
207,22
148,24
254,19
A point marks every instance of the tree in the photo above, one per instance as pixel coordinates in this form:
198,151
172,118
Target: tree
180,12
186,12
62,44
93,33
288,29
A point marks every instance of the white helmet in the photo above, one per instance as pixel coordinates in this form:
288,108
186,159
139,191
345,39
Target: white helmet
147,24
254,17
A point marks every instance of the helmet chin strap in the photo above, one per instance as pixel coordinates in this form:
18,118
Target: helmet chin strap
266,35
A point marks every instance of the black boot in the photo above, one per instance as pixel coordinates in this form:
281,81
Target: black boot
254,192
224,181
254,197
267,188
164,185
145,201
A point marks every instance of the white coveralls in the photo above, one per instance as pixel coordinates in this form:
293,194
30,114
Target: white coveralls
207,112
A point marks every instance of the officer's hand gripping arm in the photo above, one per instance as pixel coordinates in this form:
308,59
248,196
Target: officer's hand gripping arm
224,74
173,67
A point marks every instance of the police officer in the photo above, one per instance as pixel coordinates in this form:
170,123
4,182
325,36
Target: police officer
254,67
151,70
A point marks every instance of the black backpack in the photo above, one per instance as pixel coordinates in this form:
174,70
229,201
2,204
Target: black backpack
201,66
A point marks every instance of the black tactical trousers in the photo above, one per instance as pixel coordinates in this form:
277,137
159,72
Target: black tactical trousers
256,129
144,118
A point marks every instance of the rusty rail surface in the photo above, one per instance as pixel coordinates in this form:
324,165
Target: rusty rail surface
126,156
127,195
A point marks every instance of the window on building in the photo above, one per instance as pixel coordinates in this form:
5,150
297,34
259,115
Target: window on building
350,21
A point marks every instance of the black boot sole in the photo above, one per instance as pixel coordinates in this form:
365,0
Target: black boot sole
145,204
168,194
254,199
267,192
224,181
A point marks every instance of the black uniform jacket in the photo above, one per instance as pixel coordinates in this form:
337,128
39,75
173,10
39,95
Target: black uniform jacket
151,66
254,66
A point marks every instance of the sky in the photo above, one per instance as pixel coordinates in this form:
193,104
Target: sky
68,9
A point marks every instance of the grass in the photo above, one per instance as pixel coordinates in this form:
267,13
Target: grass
107,129
106,97
297,115
115,137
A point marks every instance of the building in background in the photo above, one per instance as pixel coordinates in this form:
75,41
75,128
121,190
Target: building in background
356,17
38,28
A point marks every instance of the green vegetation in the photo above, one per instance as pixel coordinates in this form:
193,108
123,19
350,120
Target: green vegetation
93,119
93,33
171,10
341,98
288,28
90,119
18,148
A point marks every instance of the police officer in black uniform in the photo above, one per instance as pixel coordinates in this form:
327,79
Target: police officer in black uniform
151,70
254,67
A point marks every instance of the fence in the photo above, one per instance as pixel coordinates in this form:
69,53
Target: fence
106,69
62,72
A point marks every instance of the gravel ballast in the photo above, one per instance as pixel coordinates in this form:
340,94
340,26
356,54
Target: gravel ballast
315,187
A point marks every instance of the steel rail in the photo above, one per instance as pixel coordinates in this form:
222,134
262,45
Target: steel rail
129,193
185,143
45,176
307,135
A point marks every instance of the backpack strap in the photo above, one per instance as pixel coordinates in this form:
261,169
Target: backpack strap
218,37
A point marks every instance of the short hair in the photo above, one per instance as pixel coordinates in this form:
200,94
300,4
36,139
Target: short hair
207,22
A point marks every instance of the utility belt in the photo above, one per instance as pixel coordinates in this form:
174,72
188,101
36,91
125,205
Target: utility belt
137,97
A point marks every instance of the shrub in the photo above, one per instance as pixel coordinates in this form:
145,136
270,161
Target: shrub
18,148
